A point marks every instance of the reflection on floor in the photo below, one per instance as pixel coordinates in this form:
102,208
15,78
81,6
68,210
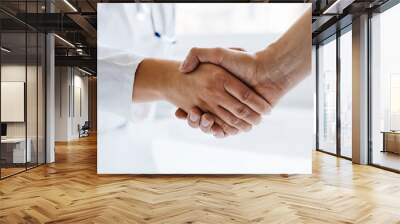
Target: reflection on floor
387,159
10,169
70,191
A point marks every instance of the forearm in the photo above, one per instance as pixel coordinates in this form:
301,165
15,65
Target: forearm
153,79
288,60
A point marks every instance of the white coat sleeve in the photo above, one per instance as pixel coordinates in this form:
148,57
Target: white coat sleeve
115,76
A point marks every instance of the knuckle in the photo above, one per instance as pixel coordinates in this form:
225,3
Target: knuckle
225,127
243,125
234,120
246,95
242,111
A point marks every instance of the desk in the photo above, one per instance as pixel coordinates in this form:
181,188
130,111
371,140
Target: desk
13,150
391,141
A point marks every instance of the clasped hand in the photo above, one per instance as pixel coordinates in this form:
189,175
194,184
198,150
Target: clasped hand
225,91
249,92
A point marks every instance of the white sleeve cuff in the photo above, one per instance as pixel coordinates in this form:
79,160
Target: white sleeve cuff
115,76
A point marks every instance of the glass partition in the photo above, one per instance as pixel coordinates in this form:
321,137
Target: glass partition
31,100
346,94
41,107
327,96
385,89
22,78
13,108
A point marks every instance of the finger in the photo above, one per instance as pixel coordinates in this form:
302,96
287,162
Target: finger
181,114
240,110
232,120
226,128
238,49
247,96
217,131
201,55
206,122
194,117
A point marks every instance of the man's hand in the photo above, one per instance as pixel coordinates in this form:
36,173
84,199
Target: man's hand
214,90
262,74
272,71
207,122
243,65
211,88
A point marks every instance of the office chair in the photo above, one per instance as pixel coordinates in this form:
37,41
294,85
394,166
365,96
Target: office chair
84,130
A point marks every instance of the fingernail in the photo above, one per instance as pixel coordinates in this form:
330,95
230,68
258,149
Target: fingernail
194,117
205,123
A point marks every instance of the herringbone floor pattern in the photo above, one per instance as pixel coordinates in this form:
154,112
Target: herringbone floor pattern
70,191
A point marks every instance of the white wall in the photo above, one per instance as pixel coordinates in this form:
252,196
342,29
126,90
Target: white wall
70,83
34,125
12,73
79,117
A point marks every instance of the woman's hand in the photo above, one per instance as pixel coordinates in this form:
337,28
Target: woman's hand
207,122
211,88
271,72
214,90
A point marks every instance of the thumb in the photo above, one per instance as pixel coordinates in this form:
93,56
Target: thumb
201,55
190,63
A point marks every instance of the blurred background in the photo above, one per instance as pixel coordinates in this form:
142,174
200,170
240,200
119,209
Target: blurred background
169,31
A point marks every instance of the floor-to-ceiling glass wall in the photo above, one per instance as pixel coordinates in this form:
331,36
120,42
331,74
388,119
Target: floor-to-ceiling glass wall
327,95
346,92
22,89
385,89
13,90
41,107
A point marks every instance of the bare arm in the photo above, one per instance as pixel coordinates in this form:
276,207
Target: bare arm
213,90
271,72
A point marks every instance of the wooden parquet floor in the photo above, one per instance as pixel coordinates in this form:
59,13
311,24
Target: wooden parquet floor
70,191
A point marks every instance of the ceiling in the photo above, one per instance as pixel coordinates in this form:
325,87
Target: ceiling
75,22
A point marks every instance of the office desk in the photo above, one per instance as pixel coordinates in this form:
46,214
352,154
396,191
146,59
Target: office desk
13,150
391,141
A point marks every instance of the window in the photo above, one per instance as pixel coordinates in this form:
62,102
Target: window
22,87
327,96
385,89
346,94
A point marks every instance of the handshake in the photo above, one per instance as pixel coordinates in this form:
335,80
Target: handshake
225,91
236,89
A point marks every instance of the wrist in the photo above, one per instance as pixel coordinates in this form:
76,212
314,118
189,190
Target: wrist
271,80
270,67
171,82
154,80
